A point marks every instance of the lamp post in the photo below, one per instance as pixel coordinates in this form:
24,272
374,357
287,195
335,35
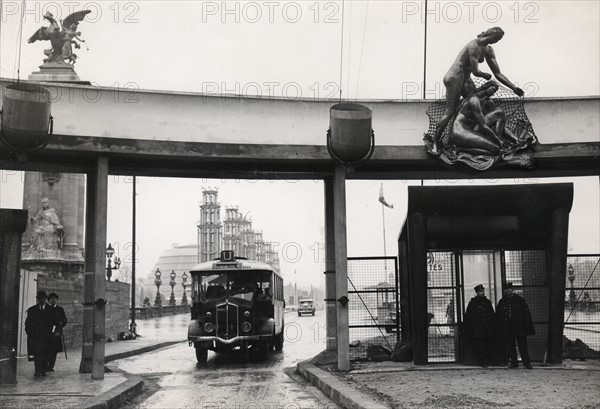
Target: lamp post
109,268
184,277
172,284
157,283
571,278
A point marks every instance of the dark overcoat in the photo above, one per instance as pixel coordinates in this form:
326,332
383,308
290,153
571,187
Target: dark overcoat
58,319
37,327
479,318
513,317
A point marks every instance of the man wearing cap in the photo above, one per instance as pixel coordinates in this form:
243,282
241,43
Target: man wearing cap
514,324
58,320
37,327
479,325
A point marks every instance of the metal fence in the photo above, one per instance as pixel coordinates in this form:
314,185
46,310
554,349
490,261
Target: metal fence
373,307
442,307
582,307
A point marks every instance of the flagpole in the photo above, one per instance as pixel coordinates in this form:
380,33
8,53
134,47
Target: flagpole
384,246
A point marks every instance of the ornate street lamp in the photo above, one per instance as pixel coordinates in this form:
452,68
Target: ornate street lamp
571,277
172,284
184,277
117,263
157,283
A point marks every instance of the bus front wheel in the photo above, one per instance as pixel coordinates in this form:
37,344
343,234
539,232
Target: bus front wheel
201,354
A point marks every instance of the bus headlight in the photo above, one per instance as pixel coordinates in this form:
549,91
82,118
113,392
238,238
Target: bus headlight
209,315
209,327
246,326
246,314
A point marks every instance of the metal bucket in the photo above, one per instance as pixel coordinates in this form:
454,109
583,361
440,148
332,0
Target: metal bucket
25,116
351,134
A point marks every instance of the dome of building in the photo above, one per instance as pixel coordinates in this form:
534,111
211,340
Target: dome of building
179,259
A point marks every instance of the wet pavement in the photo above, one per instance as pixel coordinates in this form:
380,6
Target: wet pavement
67,388
175,380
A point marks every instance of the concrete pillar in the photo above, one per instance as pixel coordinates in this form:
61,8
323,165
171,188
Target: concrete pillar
12,226
330,303
417,237
557,264
92,353
341,267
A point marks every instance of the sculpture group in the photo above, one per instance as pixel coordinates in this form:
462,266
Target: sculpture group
479,130
62,39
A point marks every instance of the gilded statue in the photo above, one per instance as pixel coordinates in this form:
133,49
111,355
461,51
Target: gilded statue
62,37
47,232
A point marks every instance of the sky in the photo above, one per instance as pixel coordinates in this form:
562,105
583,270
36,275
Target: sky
366,49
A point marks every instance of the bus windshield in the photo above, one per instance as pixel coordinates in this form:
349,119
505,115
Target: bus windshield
247,285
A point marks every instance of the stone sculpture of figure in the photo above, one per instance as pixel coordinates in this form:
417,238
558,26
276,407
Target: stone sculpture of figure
458,78
48,231
61,39
67,50
471,131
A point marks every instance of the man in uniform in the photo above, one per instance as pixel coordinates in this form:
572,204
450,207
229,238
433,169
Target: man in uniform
37,327
514,323
479,325
58,320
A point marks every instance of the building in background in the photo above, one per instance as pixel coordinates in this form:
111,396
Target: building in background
234,232
210,229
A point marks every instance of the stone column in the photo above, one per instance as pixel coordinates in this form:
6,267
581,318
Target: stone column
341,267
330,312
12,226
65,192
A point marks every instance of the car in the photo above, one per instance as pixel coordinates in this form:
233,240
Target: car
306,307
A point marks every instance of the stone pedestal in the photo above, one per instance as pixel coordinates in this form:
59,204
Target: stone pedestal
12,226
55,72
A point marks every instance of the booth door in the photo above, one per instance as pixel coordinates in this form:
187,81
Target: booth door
478,267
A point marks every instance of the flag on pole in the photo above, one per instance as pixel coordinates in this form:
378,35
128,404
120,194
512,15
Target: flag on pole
382,199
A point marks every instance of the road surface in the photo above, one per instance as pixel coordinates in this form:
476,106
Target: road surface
175,380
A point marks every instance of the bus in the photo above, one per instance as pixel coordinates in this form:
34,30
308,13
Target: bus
237,304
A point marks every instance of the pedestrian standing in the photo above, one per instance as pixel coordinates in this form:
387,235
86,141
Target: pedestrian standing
479,325
37,327
514,324
58,319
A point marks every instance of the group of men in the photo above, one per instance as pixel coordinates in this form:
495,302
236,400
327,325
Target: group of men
43,326
510,323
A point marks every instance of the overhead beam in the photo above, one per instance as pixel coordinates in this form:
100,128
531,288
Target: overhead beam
77,154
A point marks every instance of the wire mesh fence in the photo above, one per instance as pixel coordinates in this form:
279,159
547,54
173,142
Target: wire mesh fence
442,307
373,306
582,307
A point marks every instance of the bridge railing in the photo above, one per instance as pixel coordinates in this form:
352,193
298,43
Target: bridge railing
159,311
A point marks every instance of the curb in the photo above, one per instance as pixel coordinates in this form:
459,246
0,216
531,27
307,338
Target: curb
133,386
336,390
139,351
115,397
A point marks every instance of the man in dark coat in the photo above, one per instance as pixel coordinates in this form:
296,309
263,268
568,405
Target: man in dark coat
479,325
58,320
37,327
514,323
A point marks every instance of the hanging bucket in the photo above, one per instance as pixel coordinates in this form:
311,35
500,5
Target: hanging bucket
26,120
350,137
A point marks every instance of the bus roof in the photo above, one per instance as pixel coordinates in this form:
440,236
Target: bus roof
237,265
